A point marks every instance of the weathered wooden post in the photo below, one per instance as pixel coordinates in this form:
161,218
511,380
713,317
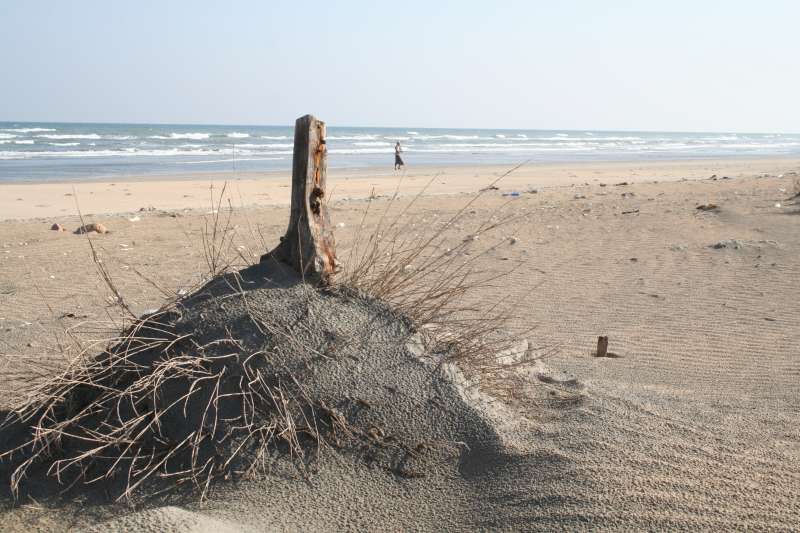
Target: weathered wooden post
602,346
308,246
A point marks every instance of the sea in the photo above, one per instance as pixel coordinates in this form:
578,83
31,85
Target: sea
83,151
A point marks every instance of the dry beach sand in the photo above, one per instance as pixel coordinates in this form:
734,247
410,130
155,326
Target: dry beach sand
693,426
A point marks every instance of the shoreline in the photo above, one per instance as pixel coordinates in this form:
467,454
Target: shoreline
386,170
102,196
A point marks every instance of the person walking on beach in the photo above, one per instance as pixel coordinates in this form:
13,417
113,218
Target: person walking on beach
398,161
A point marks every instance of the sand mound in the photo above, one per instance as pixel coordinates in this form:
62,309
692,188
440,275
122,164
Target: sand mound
169,518
244,376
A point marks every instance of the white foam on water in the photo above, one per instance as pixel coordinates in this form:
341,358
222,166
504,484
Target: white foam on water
121,137
70,136
7,136
275,138
237,135
500,136
374,143
27,141
230,160
177,136
127,152
355,151
364,137
507,145
272,146
28,130
264,146
64,144
452,137
413,132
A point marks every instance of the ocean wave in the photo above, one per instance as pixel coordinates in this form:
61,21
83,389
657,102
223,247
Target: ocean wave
229,160
507,145
372,143
28,130
137,152
274,138
26,141
7,136
487,150
129,152
413,132
64,144
265,146
364,137
721,138
177,136
70,136
121,137
237,135
355,151
451,137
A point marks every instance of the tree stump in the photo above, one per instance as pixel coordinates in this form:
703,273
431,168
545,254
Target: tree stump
308,246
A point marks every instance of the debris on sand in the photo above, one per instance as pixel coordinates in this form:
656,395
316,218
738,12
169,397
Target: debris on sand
57,227
490,188
734,244
91,228
631,212
707,207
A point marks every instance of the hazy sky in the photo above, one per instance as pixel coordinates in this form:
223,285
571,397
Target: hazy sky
699,65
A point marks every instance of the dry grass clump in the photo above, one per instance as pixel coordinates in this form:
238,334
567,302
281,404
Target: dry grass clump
164,404
435,274
180,398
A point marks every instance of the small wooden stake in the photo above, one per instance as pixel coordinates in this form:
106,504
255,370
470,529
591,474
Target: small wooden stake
602,346
308,246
